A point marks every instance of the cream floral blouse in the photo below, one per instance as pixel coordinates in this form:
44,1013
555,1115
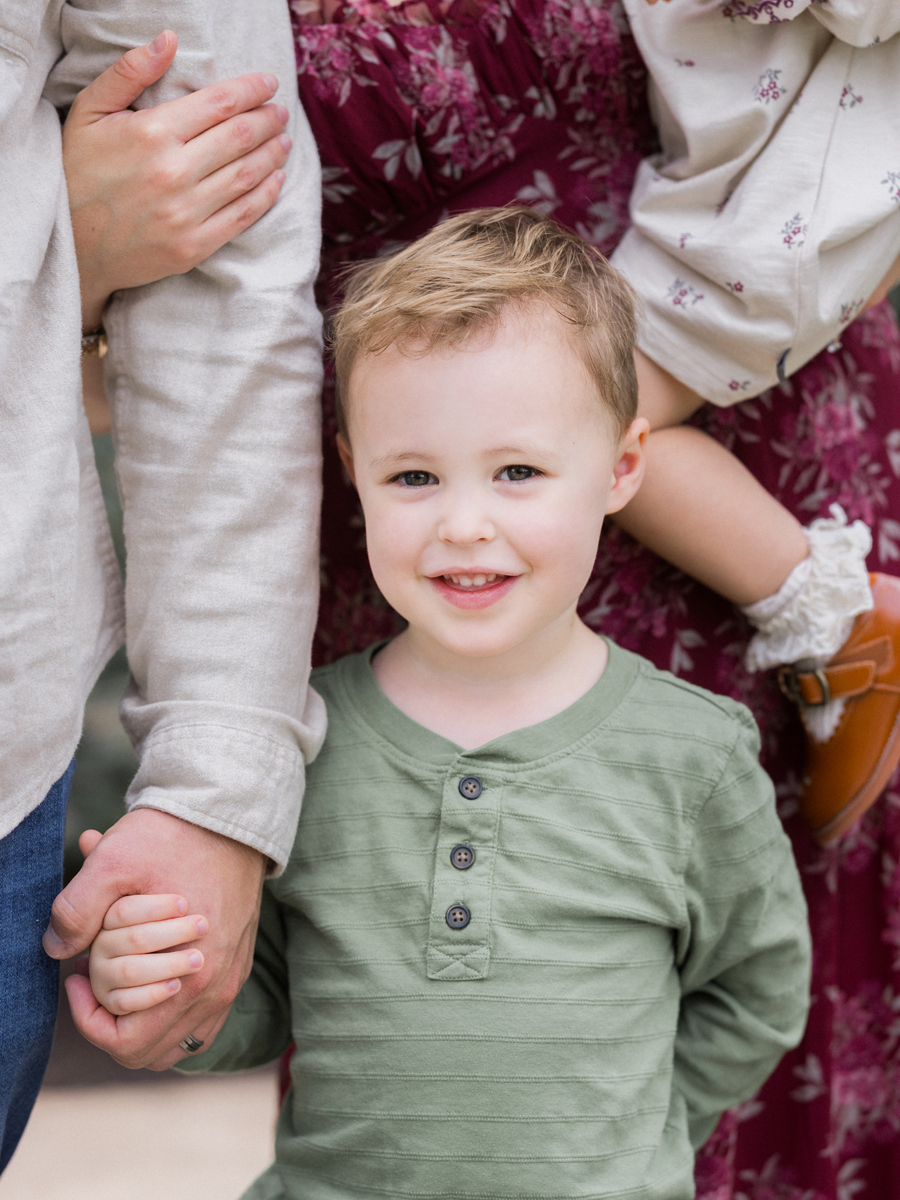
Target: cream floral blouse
773,210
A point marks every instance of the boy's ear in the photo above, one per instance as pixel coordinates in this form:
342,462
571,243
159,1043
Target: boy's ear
628,471
346,456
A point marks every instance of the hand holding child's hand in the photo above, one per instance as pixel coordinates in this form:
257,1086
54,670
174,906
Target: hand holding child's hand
151,853
133,963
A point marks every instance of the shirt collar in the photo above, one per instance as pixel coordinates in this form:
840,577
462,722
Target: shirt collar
360,692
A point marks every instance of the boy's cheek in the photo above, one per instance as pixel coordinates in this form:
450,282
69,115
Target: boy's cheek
393,556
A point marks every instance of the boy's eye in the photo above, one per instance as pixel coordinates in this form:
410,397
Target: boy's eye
415,479
516,474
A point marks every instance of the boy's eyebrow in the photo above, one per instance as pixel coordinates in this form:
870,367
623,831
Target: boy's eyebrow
521,452
396,457
517,453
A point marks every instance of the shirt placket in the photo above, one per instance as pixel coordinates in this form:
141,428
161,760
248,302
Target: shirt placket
459,928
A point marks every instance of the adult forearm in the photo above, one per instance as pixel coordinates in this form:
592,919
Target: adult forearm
215,377
215,381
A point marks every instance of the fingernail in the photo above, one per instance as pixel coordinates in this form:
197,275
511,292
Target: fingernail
195,959
173,985
54,946
271,83
182,906
283,113
280,177
286,142
202,925
159,44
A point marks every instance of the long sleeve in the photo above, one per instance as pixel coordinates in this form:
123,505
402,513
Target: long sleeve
744,960
258,1027
214,378
748,248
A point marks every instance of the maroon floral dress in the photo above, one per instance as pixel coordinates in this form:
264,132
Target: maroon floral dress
431,107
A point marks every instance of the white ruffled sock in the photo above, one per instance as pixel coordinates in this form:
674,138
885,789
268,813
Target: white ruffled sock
810,617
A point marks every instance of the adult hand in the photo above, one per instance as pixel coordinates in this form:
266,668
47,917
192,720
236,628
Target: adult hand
149,852
155,192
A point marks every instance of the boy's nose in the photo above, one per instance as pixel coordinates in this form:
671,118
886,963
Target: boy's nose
464,522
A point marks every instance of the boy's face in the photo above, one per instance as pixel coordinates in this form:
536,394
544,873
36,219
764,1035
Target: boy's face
485,474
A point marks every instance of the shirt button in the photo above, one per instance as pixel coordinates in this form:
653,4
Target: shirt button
462,857
458,916
470,787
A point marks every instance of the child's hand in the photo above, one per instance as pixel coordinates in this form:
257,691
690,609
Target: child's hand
127,969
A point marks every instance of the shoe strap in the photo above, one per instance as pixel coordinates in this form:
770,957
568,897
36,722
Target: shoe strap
815,688
879,650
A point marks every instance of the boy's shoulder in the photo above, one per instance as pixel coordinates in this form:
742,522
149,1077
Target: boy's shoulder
332,680
678,705
671,747
348,690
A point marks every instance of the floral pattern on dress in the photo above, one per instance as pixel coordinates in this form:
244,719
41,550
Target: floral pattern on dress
793,232
769,87
765,12
892,182
849,98
543,101
682,294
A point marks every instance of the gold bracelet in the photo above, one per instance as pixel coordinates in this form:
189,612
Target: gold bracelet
94,343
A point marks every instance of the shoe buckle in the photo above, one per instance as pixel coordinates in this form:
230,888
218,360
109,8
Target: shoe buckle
789,682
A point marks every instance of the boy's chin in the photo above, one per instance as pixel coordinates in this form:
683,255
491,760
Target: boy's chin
472,639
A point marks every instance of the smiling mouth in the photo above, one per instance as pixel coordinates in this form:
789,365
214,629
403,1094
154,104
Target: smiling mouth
481,589
470,583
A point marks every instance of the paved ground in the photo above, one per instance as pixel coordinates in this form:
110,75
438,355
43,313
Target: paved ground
101,1132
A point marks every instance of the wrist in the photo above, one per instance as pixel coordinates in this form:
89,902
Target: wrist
92,311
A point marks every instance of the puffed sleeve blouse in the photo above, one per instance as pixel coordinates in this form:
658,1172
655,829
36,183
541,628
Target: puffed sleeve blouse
772,211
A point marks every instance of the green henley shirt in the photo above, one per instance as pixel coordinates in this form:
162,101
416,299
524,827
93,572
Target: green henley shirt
536,970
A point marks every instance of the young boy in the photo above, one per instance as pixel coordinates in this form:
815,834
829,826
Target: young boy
541,925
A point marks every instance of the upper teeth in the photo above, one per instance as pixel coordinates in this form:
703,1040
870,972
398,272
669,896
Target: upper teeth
471,580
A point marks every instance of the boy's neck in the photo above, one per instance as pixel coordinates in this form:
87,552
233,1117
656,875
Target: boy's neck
472,700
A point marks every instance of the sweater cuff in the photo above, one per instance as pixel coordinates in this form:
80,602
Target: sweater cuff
236,771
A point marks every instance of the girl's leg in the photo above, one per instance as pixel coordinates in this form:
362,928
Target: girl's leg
803,589
701,509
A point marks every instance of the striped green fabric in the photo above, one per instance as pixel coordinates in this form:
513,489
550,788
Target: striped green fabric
636,958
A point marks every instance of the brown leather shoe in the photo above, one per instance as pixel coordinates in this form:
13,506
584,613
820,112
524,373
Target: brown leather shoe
845,775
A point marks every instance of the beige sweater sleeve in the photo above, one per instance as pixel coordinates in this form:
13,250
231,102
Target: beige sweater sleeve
214,378
749,249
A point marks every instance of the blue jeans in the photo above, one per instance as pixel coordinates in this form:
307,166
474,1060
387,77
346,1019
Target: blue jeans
30,878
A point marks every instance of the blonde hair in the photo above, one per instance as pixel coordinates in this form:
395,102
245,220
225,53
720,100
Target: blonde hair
459,278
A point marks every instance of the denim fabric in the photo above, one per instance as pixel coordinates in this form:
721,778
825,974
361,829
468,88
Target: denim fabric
30,878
